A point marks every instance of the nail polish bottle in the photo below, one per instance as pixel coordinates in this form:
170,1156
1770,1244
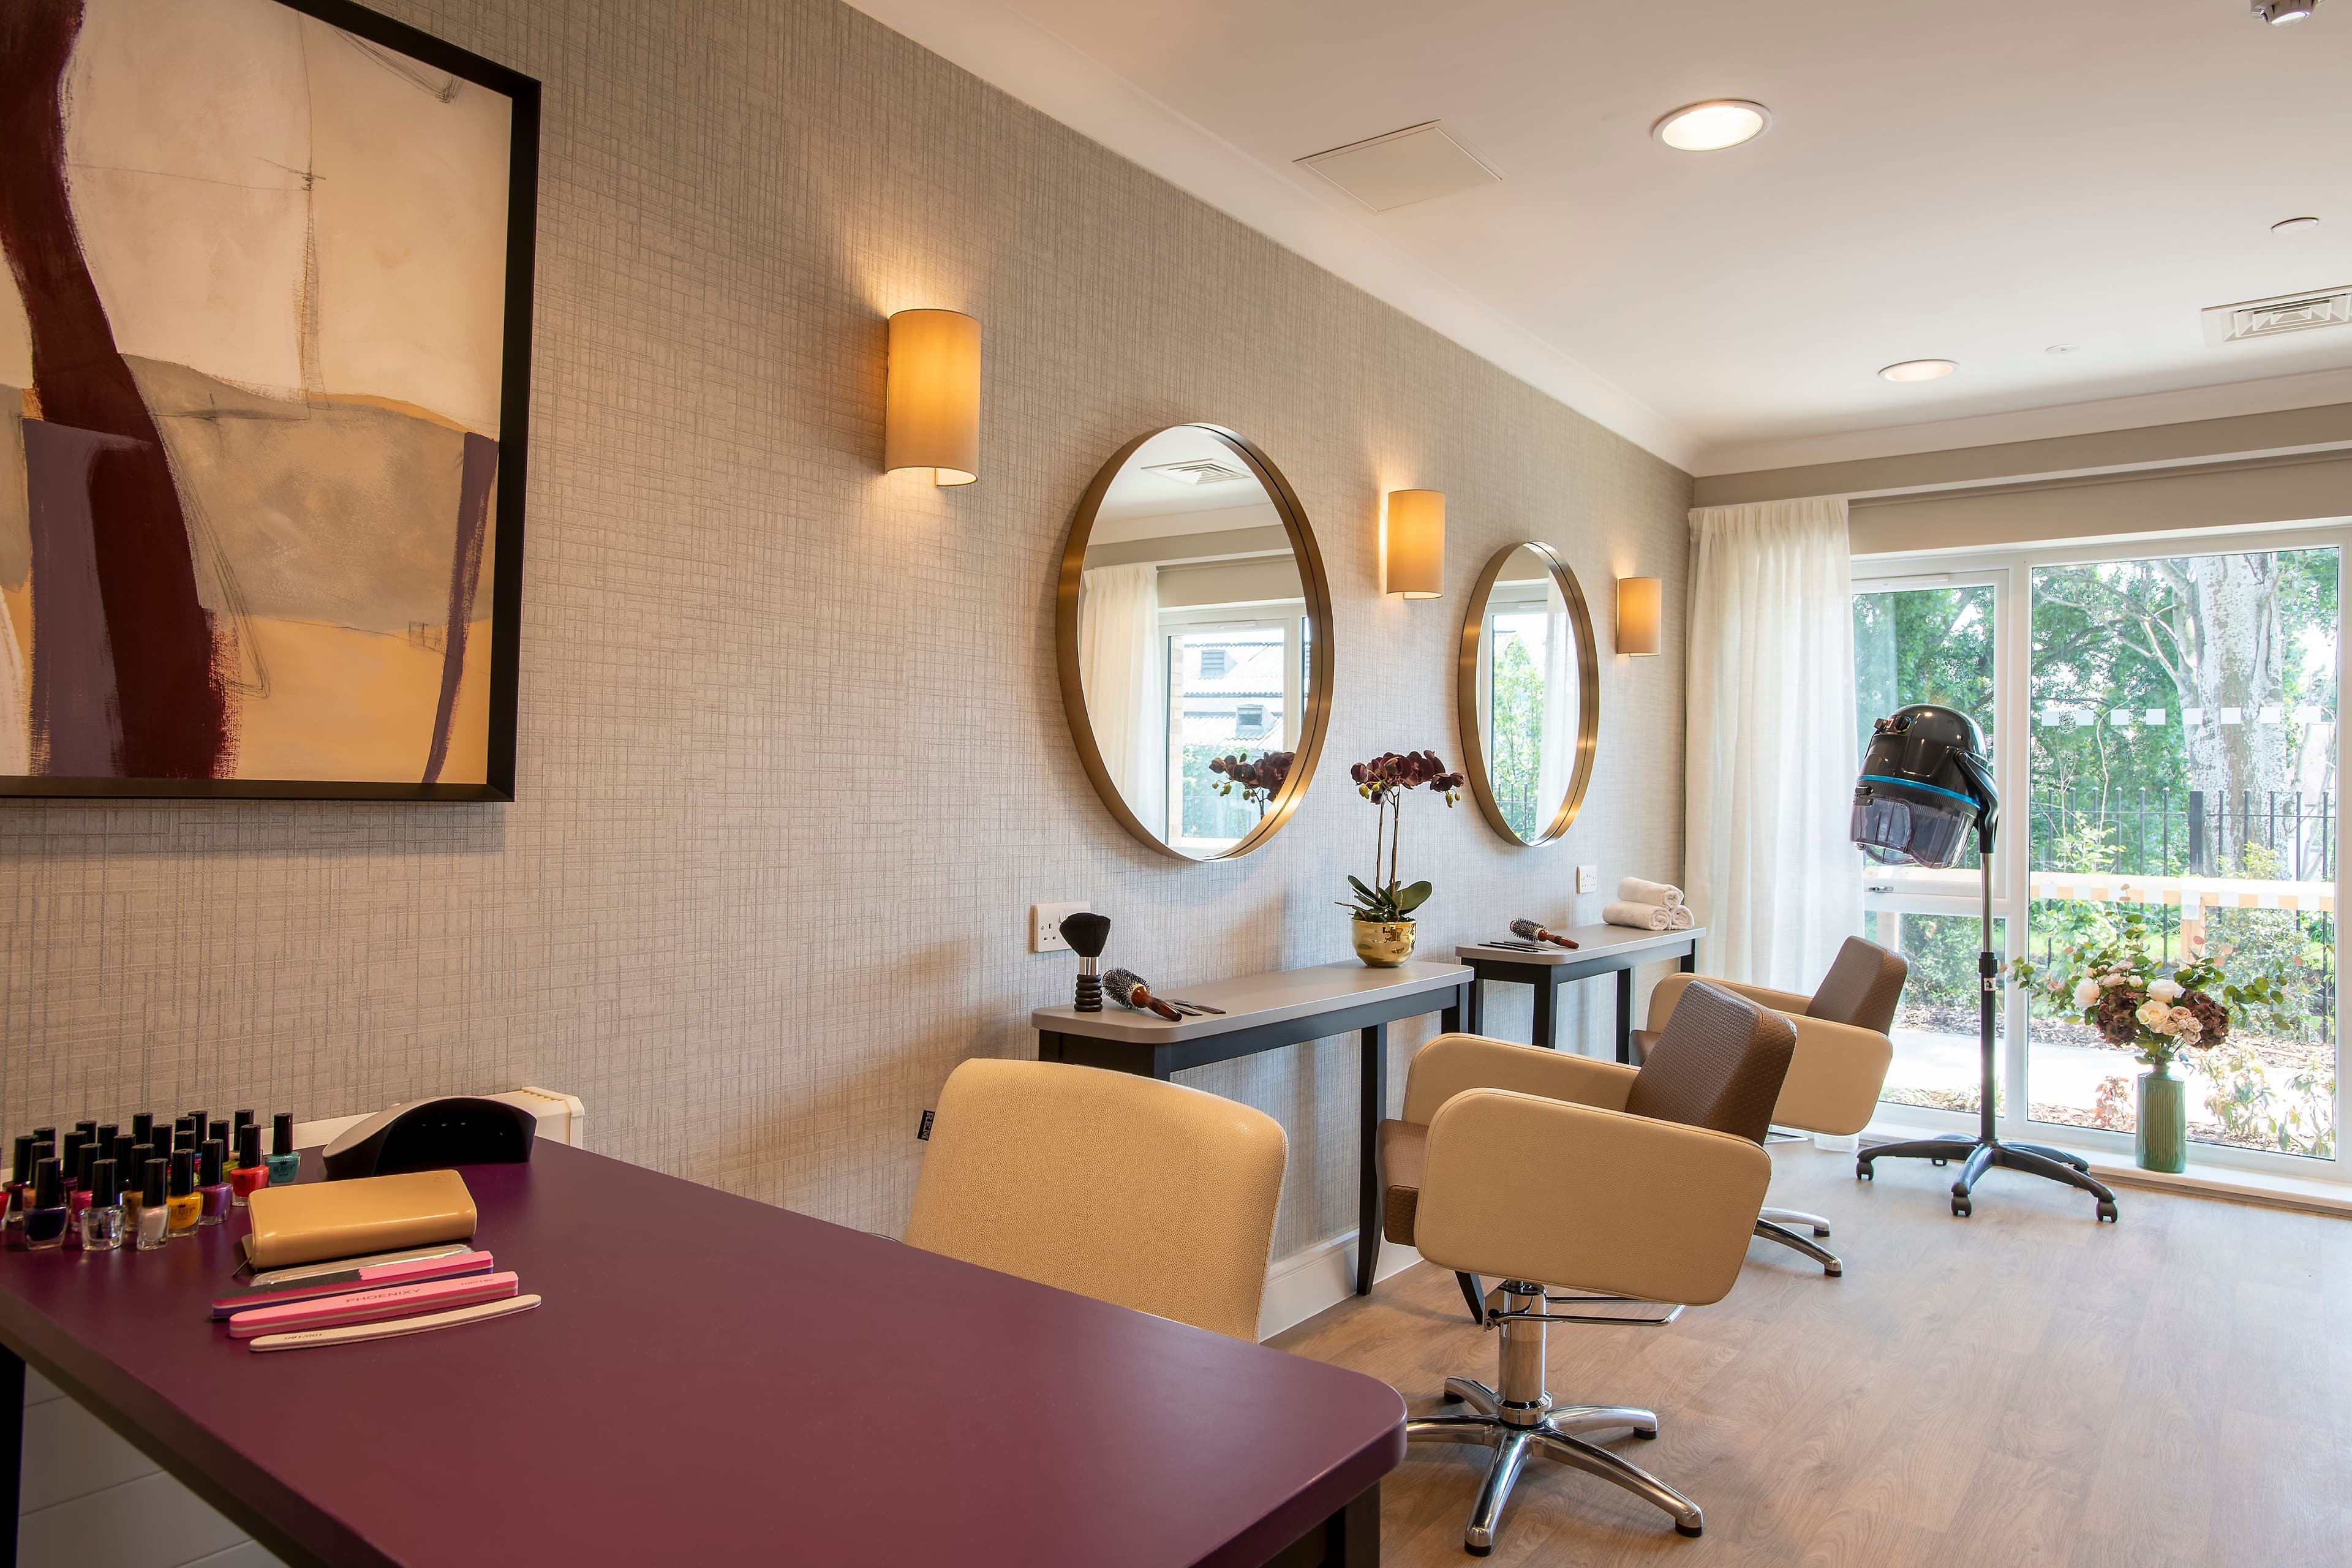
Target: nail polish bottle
198,1117
78,1192
154,1208
107,1131
218,1132
44,1135
244,1120
119,1152
102,1222
142,1126
214,1187
69,1158
250,1174
45,1216
186,1209
185,1134
285,1163
20,1176
88,1131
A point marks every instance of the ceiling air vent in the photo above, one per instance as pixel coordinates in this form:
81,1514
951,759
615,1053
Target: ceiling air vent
1199,471
2285,314
1415,165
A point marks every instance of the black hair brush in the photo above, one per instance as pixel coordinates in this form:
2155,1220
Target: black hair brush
1086,933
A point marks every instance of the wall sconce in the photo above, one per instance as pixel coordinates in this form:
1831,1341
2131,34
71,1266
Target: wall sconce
1637,614
1412,565
932,419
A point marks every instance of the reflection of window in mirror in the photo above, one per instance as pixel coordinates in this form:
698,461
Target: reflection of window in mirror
1528,697
1236,677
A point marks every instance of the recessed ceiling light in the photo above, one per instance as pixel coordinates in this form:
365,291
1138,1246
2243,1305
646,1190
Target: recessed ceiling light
2293,224
1919,370
1710,127
2064,349
2279,13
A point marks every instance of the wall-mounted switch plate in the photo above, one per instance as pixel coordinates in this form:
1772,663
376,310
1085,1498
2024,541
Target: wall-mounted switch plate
1588,878
1045,925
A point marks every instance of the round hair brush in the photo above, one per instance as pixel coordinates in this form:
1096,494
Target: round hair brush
1126,988
1534,932
1085,933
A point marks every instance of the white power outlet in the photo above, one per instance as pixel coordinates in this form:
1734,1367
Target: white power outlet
1045,925
1588,878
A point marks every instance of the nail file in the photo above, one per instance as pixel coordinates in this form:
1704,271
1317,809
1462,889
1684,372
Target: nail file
358,1333
336,1266
343,1281
366,1306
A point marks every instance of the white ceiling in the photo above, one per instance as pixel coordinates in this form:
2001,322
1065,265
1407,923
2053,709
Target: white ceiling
1969,181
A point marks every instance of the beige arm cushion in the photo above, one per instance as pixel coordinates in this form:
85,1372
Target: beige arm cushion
1833,1078
1669,991
1517,1187
1452,1063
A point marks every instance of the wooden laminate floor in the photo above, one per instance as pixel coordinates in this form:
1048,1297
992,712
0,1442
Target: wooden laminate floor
2022,1387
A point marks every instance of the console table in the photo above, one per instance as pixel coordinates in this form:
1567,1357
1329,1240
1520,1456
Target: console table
1266,1013
1599,950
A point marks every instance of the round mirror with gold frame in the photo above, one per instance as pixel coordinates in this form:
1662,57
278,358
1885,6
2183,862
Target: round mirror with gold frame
1528,691
1193,634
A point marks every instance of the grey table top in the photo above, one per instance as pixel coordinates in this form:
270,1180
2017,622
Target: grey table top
1591,942
1256,999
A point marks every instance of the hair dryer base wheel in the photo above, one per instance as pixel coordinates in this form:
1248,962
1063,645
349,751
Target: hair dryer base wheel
1925,781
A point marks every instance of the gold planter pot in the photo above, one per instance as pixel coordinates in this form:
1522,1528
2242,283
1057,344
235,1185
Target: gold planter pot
1382,945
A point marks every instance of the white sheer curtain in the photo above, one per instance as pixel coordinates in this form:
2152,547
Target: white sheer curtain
1769,750
1556,756
1119,663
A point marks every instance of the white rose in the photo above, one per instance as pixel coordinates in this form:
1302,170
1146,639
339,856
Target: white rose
2110,980
2167,991
2157,1016
2085,993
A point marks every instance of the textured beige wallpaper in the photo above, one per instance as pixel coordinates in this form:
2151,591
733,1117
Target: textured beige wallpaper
793,763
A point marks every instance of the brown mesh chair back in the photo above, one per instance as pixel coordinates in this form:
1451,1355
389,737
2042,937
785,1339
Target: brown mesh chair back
1718,1064
1862,987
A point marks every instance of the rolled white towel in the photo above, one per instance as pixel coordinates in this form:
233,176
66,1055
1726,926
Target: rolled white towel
1680,918
1640,917
1665,895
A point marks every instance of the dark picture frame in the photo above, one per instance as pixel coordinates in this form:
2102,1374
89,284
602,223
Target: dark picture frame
510,485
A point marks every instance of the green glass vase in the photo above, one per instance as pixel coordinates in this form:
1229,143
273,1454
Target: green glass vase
2161,1142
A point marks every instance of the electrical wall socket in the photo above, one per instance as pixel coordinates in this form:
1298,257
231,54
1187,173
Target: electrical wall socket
1045,925
1588,878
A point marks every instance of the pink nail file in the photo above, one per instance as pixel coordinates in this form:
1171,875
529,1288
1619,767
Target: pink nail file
343,1282
370,1306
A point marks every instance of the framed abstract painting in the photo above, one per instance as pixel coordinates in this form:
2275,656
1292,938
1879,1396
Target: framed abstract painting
265,352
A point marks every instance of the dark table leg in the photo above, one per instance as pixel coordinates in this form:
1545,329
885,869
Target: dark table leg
1688,962
1049,1046
1372,1098
1625,1016
1449,1017
12,1451
1478,1007
1547,1029
1348,1539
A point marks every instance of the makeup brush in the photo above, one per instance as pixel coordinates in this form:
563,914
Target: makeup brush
1126,988
1534,932
1085,933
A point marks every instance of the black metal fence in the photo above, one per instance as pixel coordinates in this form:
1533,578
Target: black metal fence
2161,833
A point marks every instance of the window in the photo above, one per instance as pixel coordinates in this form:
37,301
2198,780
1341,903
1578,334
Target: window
1237,677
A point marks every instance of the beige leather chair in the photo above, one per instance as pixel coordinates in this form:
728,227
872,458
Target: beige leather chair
1843,1053
1143,1193
1545,1169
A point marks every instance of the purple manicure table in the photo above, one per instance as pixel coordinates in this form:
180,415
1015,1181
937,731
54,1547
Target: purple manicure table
712,1380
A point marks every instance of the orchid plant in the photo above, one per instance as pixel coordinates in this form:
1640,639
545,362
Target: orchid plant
1385,781
1257,780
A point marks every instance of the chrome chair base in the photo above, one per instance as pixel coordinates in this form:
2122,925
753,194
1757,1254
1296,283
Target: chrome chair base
1519,1421
1776,1224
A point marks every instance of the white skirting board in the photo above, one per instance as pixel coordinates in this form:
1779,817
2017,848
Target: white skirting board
89,1499
1319,1278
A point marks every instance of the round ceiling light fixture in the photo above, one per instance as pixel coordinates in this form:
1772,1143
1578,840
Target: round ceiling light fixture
1919,370
2279,13
2293,224
1712,126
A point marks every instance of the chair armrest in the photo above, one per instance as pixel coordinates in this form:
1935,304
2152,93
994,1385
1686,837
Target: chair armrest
1518,1187
1833,1078
1452,1063
1669,991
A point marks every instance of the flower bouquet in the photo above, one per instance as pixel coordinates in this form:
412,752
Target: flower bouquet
2118,986
1384,925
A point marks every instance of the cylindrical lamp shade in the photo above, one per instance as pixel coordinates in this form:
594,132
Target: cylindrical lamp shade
1415,565
1637,614
932,419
